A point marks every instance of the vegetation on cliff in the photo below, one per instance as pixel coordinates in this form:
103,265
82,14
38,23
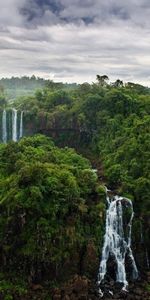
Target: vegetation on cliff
52,207
111,120
51,214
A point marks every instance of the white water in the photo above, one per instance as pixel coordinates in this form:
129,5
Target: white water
21,125
14,125
4,127
115,242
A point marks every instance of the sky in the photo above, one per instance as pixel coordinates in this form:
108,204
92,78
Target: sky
74,40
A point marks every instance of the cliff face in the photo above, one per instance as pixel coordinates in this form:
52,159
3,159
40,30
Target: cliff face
64,132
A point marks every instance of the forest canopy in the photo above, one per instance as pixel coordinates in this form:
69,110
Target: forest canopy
51,200
46,210
113,120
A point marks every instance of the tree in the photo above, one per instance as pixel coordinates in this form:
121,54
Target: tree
45,214
3,101
102,80
118,83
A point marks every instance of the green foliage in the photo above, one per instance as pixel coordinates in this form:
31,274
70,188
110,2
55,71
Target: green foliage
44,204
111,120
101,190
148,287
49,195
8,289
25,86
3,101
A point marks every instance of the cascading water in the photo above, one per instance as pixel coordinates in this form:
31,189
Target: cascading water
4,127
14,125
115,242
21,125
10,128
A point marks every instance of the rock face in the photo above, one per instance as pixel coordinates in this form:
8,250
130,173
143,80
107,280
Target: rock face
77,288
92,259
80,288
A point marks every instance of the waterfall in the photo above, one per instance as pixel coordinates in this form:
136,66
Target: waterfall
21,125
14,125
4,127
115,242
11,130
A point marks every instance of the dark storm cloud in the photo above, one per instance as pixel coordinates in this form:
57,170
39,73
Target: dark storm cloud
75,39
64,11
87,11
37,12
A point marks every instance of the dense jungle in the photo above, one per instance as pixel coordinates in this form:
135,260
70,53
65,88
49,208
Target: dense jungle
61,145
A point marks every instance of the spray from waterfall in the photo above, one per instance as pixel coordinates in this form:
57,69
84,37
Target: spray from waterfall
21,125
14,125
4,127
115,242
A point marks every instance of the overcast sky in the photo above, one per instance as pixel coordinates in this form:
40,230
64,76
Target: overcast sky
73,40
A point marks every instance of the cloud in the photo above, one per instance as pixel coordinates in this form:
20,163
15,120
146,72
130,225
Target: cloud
87,11
10,15
73,40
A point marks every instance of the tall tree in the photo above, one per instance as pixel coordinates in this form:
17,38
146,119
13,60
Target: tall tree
102,80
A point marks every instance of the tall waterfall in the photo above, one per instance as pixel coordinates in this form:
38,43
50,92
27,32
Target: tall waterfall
117,244
14,125
4,127
11,125
21,125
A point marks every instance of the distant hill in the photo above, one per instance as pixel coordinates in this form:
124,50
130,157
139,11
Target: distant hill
15,87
